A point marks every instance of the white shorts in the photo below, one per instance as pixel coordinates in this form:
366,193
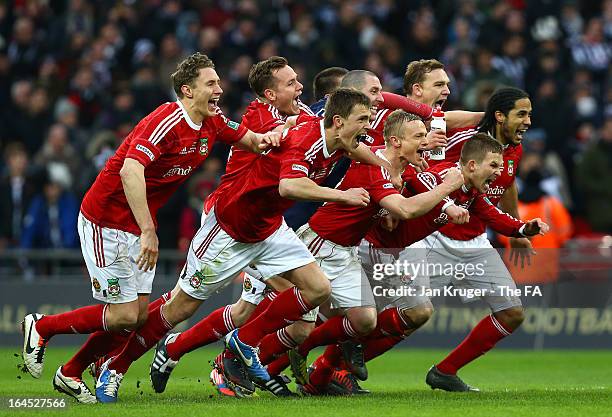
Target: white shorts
350,287
215,258
470,264
110,256
412,280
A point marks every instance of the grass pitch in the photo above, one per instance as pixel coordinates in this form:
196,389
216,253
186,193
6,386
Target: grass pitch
513,383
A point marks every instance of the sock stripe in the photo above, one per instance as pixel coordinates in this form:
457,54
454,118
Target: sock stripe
104,326
298,295
227,318
348,329
401,316
271,295
499,326
285,339
165,322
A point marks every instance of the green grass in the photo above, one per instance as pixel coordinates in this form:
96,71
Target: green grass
513,383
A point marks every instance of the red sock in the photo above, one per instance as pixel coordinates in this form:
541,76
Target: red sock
278,365
389,323
142,340
97,345
324,366
274,344
82,320
216,325
159,301
376,347
336,329
261,307
481,339
287,306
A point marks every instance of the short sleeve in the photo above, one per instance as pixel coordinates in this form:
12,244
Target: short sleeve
229,131
144,151
380,185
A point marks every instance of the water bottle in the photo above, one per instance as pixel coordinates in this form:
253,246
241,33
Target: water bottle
438,123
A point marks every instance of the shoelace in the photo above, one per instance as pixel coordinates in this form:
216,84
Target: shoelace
81,384
114,380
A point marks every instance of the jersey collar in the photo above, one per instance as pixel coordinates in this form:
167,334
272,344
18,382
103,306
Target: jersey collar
190,122
326,153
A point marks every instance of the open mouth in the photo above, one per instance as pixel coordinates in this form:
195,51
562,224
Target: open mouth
488,182
440,102
420,153
520,133
213,104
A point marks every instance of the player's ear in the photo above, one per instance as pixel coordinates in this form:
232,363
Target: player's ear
395,141
338,120
471,165
500,117
417,90
269,94
187,92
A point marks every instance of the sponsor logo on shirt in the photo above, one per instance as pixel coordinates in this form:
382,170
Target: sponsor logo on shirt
189,150
298,167
388,185
232,125
96,284
496,191
146,151
178,170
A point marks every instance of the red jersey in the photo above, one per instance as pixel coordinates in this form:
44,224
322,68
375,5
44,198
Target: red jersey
259,117
512,157
251,210
413,230
171,147
346,225
375,133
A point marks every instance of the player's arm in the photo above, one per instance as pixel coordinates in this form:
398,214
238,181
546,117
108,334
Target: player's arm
304,189
521,247
504,223
395,102
259,142
456,119
419,204
134,187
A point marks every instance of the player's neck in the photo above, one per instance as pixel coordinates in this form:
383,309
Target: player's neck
467,184
195,115
499,136
332,139
396,161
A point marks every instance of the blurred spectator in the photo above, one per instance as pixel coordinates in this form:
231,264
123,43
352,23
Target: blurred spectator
57,150
594,174
51,218
16,190
512,62
534,202
25,50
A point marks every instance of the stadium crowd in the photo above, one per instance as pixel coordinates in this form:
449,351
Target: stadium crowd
77,75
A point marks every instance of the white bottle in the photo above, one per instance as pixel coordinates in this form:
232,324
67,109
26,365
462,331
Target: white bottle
438,123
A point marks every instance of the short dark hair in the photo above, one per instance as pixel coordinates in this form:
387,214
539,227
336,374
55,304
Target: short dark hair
416,72
356,79
188,70
503,100
327,81
395,121
478,146
341,102
261,75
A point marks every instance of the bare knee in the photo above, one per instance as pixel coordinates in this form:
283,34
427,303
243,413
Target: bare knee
511,318
418,316
241,311
300,330
312,283
122,316
143,315
362,319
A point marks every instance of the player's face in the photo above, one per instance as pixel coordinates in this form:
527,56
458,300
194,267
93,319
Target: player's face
487,171
356,124
435,88
373,89
206,92
287,91
413,142
514,126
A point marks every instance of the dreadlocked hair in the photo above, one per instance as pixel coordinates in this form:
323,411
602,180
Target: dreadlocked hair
503,100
